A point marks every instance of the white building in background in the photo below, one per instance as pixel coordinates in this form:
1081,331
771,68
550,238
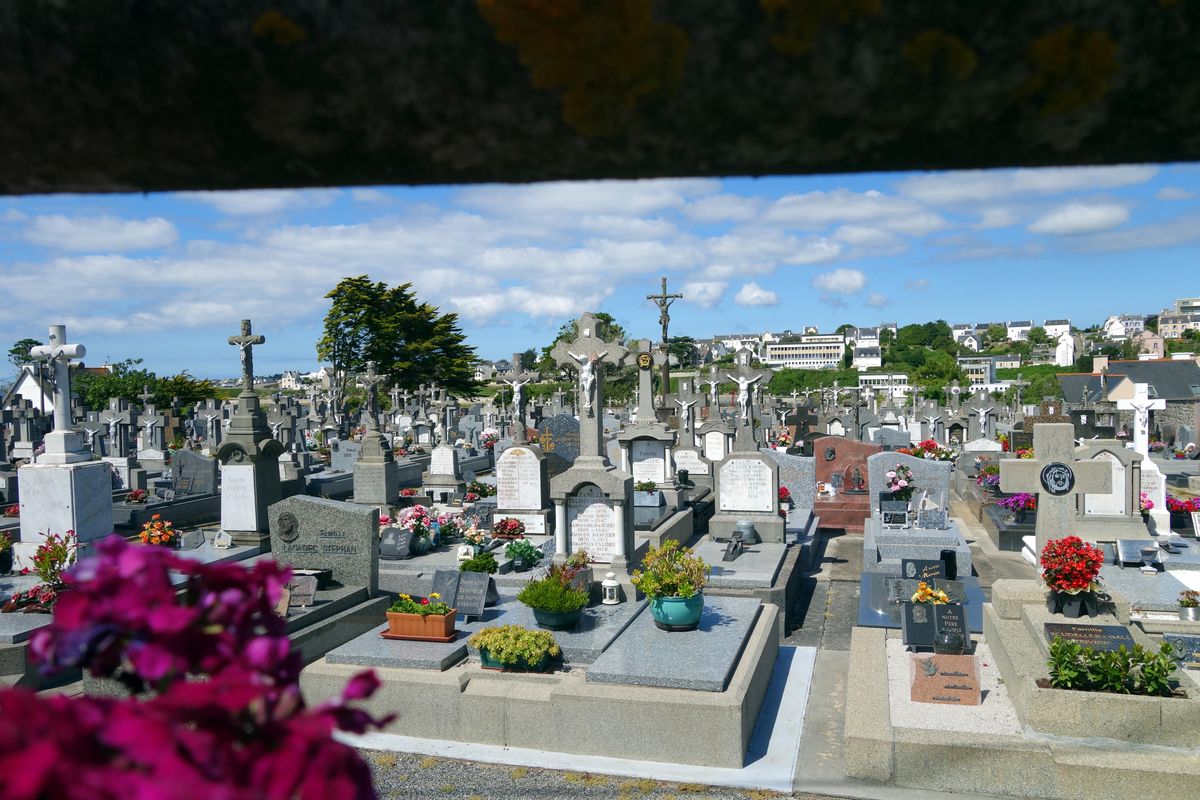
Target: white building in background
890,384
866,358
1123,326
1055,328
1018,331
1172,326
973,342
1064,352
811,351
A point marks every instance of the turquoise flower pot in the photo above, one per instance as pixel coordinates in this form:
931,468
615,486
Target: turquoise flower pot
419,545
677,613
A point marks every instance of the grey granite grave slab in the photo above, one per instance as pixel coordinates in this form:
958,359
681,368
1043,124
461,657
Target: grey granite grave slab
598,627
372,650
314,533
1158,592
1187,559
883,549
798,474
756,568
700,660
208,553
926,474
194,473
17,628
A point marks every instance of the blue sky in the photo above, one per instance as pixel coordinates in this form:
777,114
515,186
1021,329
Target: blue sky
167,277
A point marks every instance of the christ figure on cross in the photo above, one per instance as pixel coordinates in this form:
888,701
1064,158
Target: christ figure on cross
743,395
587,375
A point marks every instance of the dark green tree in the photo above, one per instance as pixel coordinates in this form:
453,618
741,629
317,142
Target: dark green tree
618,383
683,348
408,340
18,354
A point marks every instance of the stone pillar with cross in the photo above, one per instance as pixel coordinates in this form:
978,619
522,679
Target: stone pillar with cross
745,436
518,380
65,490
376,476
981,416
152,425
1058,480
249,457
592,499
646,445
1154,485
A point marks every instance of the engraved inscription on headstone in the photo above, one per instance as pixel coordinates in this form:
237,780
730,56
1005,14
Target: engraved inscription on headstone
647,460
395,544
922,569
591,523
518,479
472,593
916,624
1099,637
303,590
952,680
745,485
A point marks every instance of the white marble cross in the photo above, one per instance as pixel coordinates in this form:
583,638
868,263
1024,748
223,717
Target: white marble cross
59,355
1141,405
1056,478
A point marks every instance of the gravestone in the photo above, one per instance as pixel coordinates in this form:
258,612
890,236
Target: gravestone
594,522
747,488
522,487
395,544
1108,638
890,439
558,438
945,679
798,474
315,533
194,473
1057,479
930,476
343,455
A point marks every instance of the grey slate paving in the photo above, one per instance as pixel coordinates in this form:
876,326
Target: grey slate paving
372,650
702,660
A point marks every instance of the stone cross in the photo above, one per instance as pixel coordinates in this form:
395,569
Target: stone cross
647,360
587,354
1057,479
246,341
370,381
685,413
1141,405
58,354
664,301
517,380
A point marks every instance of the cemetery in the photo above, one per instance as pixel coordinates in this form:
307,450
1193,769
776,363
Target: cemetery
628,565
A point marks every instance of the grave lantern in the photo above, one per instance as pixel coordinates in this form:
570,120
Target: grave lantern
610,590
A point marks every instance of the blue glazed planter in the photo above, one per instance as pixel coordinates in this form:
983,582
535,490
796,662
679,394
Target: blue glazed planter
677,613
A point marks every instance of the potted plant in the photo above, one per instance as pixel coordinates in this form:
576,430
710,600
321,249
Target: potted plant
158,531
53,556
1181,513
1189,605
524,555
512,648
673,578
482,562
476,538
1020,504
450,527
579,567
1071,570
646,493
556,605
420,618
6,553
508,528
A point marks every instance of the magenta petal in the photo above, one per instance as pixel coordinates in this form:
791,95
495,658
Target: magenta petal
361,686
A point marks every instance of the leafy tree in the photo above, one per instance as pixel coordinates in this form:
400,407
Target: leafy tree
683,348
995,335
618,383
127,379
409,340
845,327
18,354
529,360
1038,335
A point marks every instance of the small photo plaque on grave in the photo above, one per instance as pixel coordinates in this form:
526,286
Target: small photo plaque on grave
916,624
951,680
922,569
303,590
895,513
1099,637
395,544
1187,647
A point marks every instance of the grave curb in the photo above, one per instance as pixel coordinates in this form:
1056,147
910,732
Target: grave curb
869,749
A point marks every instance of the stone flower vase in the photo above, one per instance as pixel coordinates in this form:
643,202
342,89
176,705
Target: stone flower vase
6,561
1072,606
1186,614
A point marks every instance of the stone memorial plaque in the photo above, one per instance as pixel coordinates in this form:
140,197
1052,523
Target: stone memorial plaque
223,540
916,624
922,569
285,601
951,619
303,590
836,480
472,593
901,590
952,680
445,584
239,511
745,484
1187,646
560,435
535,524
714,445
395,544
648,460
1195,523
895,513
1098,637
691,460
443,461
1111,503
592,523
934,518
518,479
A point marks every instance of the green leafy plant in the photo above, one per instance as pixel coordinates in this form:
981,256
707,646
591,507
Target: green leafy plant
671,571
425,606
579,559
483,562
1187,599
1123,671
645,486
512,644
523,549
54,555
554,593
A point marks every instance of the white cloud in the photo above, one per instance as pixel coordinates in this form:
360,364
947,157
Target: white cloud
627,227
578,198
1171,233
841,281
705,294
257,202
877,300
916,283
816,210
1174,193
722,208
99,234
948,188
369,196
1077,218
751,294
997,218
13,215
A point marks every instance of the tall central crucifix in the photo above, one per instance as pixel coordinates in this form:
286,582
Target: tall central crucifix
370,381
664,301
587,354
244,342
